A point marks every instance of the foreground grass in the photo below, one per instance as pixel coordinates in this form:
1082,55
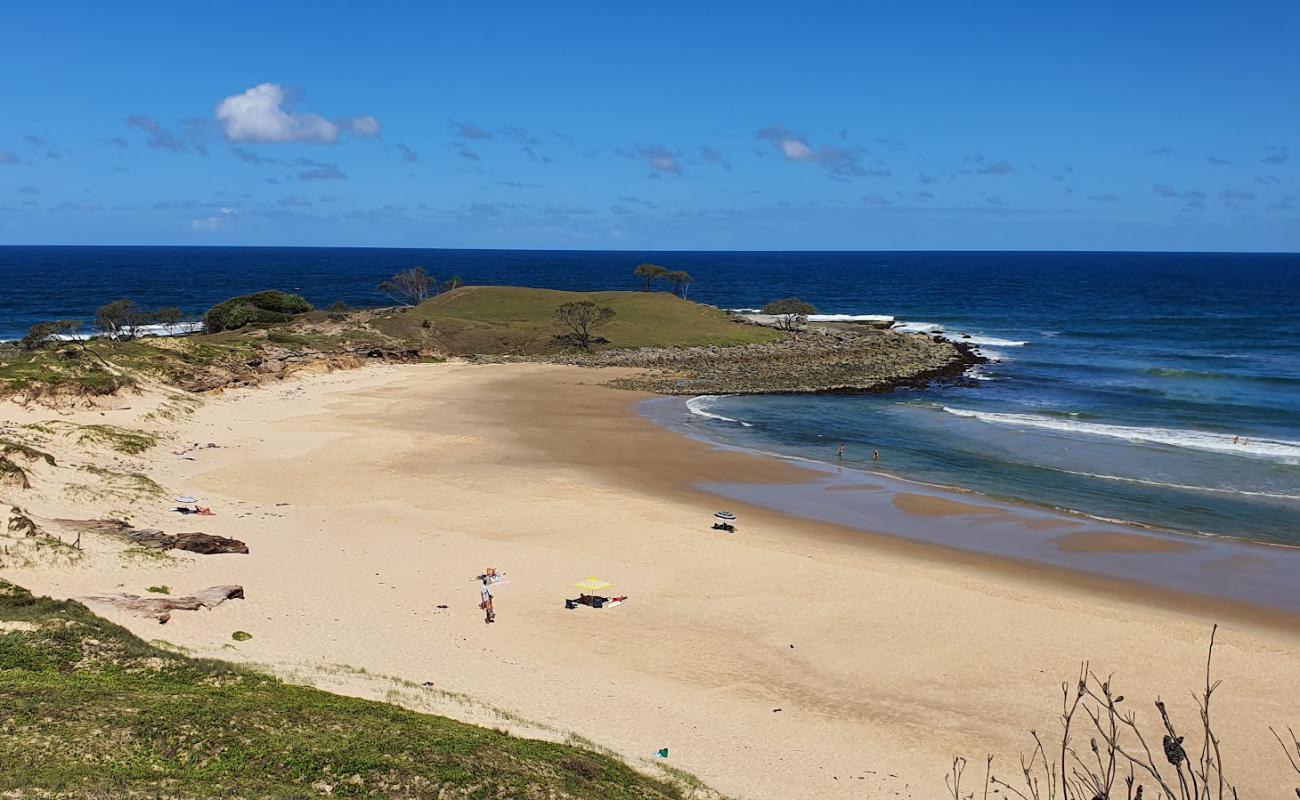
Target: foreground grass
89,710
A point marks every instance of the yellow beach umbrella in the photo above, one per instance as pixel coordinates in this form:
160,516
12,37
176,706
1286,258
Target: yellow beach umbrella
593,585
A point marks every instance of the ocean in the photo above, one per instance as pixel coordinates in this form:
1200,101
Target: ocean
1157,388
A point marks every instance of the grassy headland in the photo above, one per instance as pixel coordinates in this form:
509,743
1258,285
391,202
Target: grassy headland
89,710
491,320
682,346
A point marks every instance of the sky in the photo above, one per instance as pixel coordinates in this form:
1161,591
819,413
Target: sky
665,126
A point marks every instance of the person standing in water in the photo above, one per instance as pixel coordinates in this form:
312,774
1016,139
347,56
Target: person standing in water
875,455
489,614
840,452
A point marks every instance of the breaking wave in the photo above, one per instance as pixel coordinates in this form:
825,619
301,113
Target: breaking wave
1287,452
700,407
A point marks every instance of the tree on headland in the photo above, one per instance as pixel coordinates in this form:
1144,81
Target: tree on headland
169,318
410,287
42,333
454,282
122,319
119,319
648,274
582,318
791,313
681,281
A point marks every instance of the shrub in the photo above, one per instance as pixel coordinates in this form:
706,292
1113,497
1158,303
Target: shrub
252,309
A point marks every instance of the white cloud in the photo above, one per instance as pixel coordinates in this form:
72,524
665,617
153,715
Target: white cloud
259,115
213,223
364,126
796,150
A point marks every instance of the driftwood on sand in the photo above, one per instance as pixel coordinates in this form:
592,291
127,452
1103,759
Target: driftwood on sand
161,608
202,543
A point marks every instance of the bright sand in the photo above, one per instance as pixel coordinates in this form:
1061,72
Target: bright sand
793,659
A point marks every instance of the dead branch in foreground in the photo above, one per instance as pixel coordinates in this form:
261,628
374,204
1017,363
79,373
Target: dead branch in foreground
1105,755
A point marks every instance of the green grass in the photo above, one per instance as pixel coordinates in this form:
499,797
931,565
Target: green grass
63,368
89,710
510,319
114,437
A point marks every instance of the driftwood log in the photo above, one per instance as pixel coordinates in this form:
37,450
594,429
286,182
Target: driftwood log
161,608
202,543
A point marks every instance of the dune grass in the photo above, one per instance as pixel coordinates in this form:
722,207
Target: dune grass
511,319
89,710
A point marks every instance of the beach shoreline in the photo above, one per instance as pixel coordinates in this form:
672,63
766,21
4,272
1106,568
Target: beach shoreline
796,658
1092,547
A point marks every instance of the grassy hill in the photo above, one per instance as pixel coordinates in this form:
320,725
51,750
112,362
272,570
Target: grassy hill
89,710
512,319
472,320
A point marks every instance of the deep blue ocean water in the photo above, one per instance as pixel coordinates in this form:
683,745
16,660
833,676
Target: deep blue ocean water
1121,380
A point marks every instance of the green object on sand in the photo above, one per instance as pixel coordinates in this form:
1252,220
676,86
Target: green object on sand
663,753
241,636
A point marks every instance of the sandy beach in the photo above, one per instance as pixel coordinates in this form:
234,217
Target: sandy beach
793,659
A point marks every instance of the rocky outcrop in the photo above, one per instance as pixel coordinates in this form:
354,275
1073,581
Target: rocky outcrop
827,360
161,608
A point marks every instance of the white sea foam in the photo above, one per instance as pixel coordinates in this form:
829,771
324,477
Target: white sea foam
996,356
179,329
700,406
881,318
1188,487
975,374
1287,452
956,336
989,341
918,327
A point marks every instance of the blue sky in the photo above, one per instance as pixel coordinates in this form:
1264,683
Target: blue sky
718,125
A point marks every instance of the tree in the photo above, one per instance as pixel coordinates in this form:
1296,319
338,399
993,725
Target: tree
582,318
169,318
791,313
43,332
648,274
454,282
681,281
118,319
410,287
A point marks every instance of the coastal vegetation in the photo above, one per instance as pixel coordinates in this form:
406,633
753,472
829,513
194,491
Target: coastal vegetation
648,275
89,710
259,308
413,286
582,318
791,313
